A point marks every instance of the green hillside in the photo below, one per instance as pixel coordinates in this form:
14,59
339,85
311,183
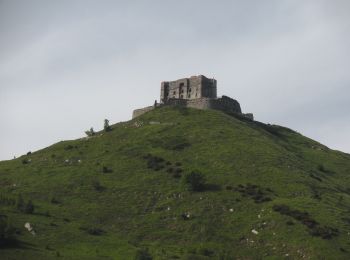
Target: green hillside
266,192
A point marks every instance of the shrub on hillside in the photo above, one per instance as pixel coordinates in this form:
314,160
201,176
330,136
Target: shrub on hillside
154,162
323,169
95,231
6,230
29,207
90,132
143,254
24,207
105,169
97,185
315,229
20,202
177,173
106,126
54,200
68,147
255,192
92,230
205,251
195,181
25,161
7,200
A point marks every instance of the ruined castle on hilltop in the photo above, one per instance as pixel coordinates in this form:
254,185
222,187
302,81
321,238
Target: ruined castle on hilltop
196,92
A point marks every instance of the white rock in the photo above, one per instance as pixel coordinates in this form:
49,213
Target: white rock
28,226
255,232
231,210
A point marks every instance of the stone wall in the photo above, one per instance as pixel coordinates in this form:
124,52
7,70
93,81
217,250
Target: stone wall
138,112
224,103
188,88
249,116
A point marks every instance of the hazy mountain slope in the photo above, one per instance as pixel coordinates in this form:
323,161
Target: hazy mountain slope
115,194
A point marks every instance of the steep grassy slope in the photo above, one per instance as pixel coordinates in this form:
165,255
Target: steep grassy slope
270,193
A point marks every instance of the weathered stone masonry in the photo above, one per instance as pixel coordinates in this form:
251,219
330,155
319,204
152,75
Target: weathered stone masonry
197,92
188,88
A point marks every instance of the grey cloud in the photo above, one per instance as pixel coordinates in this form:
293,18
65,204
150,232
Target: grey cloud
70,64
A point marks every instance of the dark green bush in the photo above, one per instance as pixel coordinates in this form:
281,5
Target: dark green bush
195,181
25,161
321,168
6,230
29,207
315,229
7,200
143,254
106,126
90,132
95,231
255,192
20,203
324,232
23,207
54,200
68,147
97,185
154,162
205,251
105,169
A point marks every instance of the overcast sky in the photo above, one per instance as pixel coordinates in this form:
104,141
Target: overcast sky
67,65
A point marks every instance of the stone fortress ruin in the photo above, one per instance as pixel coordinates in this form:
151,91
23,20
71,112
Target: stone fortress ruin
196,92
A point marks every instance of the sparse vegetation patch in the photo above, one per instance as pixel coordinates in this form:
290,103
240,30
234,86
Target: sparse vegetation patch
255,192
315,229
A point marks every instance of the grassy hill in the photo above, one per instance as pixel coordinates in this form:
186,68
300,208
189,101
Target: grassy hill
268,192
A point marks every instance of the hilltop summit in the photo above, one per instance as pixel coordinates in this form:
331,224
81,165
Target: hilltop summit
258,191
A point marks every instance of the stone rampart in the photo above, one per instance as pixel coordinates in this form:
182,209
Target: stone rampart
225,104
138,112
